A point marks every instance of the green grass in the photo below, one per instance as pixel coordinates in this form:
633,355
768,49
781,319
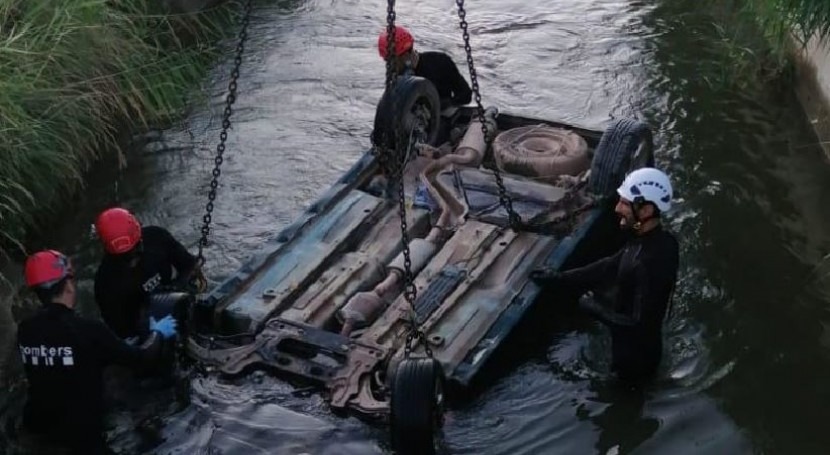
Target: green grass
758,36
73,73
801,18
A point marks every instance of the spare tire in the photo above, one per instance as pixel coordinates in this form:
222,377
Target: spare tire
541,151
413,102
626,145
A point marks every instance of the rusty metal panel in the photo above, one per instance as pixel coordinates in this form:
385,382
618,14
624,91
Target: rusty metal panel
492,286
495,276
298,262
357,270
461,249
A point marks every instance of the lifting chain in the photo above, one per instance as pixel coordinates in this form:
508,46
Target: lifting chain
513,218
393,165
223,136
410,291
391,69
381,152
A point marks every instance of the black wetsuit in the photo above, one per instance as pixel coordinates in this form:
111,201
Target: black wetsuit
439,69
642,276
64,356
121,291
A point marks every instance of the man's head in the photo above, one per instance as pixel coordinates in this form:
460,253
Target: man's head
50,275
404,46
644,195
119,231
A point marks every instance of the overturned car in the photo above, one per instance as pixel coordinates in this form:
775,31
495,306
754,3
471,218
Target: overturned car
410,271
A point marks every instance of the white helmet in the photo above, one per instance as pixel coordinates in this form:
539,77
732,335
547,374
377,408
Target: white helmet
647,184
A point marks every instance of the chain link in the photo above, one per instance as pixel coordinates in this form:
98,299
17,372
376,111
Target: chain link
223,136
514,219
393,165
392,168
410,292
409,286
422,338
391,68
381,150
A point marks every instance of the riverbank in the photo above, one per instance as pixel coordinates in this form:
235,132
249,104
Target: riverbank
812,64
796,35
76,76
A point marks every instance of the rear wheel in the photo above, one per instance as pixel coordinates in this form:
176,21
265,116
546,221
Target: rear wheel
417,406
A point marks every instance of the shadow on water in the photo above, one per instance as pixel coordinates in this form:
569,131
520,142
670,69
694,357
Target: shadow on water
746,350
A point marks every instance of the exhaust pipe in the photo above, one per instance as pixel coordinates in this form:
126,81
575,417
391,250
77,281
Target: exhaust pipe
365,307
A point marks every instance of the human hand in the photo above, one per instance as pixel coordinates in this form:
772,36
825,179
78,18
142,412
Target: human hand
166,326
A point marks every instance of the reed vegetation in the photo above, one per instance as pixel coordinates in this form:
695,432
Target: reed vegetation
73,75
760,37
801,19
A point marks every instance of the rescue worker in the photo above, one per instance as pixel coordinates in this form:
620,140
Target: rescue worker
64,356
642,274
437,67
138,261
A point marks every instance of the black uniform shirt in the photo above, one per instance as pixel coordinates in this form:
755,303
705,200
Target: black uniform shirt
121,291
643,275
64,356
439,69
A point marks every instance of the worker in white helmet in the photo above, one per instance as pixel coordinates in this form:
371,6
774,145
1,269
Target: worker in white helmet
643,275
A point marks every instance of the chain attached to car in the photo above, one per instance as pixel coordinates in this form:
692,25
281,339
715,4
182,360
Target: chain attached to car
223,135
198,283
393,156
514,220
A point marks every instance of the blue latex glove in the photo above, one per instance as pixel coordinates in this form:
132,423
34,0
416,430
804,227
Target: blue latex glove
166,326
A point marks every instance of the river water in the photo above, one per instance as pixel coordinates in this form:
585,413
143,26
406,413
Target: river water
747,358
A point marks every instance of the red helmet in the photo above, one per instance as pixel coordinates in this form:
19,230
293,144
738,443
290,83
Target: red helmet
403,41
46,268
118,230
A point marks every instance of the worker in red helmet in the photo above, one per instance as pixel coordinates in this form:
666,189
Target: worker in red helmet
437,67
64,355
138,262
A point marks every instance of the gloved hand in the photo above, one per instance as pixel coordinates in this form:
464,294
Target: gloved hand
166,327
545,275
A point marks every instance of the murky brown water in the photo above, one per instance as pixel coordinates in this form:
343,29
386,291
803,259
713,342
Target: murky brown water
748,355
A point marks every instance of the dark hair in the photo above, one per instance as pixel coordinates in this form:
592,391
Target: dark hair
656,210
48,295
640,202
